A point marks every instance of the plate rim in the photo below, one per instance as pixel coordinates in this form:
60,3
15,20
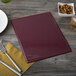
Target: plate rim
6,21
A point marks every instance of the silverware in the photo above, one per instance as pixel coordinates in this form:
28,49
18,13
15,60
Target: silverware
3,50
9,67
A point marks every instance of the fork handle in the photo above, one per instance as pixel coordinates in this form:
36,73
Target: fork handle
12,69
13,62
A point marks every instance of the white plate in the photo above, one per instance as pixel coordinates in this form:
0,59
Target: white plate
66,15
3,21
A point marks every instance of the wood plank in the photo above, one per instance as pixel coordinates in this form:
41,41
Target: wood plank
62,65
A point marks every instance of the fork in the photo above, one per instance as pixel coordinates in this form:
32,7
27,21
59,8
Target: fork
3,50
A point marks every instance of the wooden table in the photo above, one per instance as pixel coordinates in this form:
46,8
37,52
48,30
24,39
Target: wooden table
63,65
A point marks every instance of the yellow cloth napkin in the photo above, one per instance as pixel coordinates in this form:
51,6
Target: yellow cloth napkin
17,56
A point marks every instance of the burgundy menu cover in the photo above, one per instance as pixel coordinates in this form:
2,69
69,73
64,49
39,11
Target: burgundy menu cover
40,37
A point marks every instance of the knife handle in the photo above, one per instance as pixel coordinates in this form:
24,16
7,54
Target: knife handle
13,62
12,69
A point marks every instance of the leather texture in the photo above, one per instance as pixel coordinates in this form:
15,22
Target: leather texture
40,37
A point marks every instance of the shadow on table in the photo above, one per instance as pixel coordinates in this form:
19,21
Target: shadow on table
7,28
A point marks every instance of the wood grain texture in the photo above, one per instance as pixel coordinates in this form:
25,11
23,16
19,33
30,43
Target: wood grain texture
63,65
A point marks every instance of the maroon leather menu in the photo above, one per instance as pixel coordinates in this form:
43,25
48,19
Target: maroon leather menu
40,37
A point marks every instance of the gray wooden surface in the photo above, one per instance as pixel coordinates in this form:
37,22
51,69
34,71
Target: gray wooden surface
63,65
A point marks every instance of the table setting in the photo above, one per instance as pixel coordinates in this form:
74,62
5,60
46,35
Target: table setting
37,40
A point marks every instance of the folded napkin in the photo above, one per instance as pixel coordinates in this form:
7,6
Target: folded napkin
17,56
